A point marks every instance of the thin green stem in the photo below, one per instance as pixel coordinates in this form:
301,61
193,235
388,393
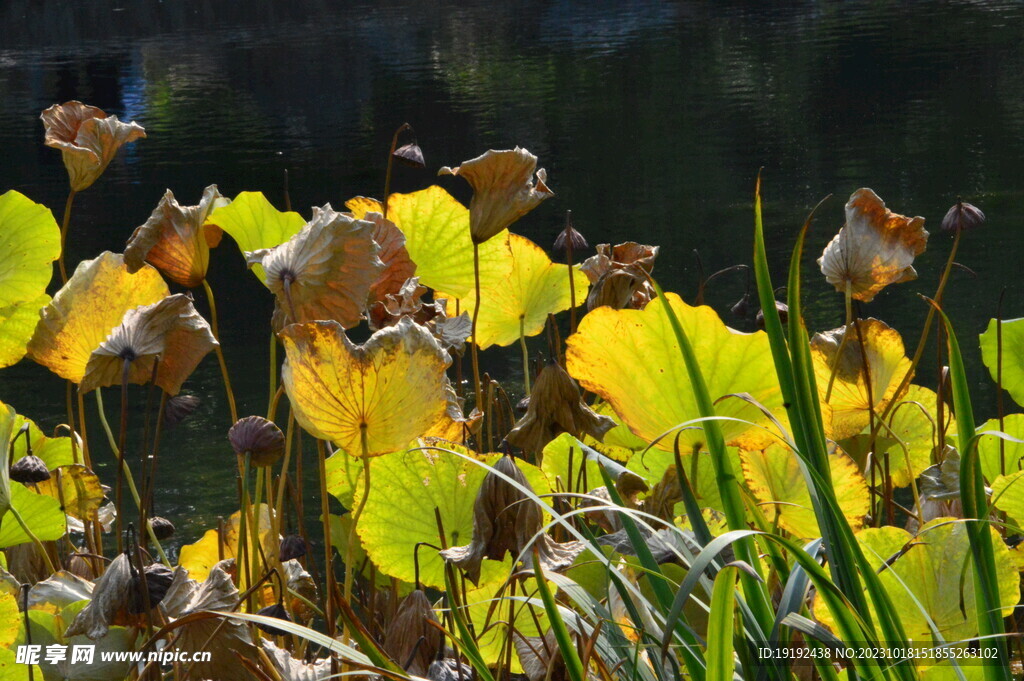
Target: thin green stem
220,352
64,235
273,373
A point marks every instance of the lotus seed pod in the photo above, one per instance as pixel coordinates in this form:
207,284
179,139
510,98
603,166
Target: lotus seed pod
261,439
29,469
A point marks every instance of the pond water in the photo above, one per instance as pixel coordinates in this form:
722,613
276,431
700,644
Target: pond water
652,119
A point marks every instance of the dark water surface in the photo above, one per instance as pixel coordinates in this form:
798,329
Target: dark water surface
651,118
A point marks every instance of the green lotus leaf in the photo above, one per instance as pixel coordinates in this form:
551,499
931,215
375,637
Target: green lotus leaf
10,670
423,480
567,467
7,418
1008,495
254,223
436,229
29,243
912,423
340,526
42,514
658,468
342,473
997,455
1013,355
631,359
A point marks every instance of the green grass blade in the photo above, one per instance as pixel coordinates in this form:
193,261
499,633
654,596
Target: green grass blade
721,621
571,656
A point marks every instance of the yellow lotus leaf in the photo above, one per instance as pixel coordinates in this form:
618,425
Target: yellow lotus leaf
777,482
169,333
999,456
436,229
200,557
853,395
912,425
176,240
518,302
631,359
29,243
79,491
324,272
875,247
254,223
1008,495
372,398
619,443
87,139
454,425
87,308
503,189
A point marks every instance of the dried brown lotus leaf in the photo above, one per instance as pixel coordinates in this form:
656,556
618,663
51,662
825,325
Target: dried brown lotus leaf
556,407
875,247
59,591
87,138
398,266
506,521
109,598
411,624
290,669
619,275
503,189
170,332
405,302
540,657
324,272
176,240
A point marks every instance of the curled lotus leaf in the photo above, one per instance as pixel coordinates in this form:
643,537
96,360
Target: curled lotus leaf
410,639
503,189
618,275
517,303
856,391
290,668
324,272
29,243
454,425
436,229
407,301
83,312
87,138
875,247
176,239
254,224
109,598
368,399
556,407
169,335
631,359
398,266
777,482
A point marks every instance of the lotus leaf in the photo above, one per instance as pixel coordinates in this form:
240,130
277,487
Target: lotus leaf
997,455
10,621
87,308
912,423
324,272
254,224
176,239
54,451
658,469
778,483
79,491
436,229
1013,355
853,396
503,189
40,512
7,420
87,138
109,598
169,334
398,266
29,243
368,399
875,248
619,275
631,359
201,557
1008,495
423,480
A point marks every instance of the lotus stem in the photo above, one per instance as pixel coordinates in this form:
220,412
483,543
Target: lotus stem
387,174
325,510
80,399
220,352
473,345
64,235
273,374
127,473
572,283
119,453
356,513
246,560
526,355
71,422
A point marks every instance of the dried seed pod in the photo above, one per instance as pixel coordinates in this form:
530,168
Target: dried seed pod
783,314
29,469
410,640
162,528
261,439
742,307
157,582
276,611
962,217
179,408
292,546
569,237
410,155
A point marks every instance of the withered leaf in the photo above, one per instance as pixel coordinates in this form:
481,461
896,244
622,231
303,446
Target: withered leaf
87,138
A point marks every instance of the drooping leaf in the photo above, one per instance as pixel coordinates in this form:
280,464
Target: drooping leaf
254,223
775,478
853,395
87,138
169,333
109,598
324,272
398,266
1013,355
631,359
875,247
368,399
87,309
29,243
436,229
176,240
40,512
503,189
618,275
